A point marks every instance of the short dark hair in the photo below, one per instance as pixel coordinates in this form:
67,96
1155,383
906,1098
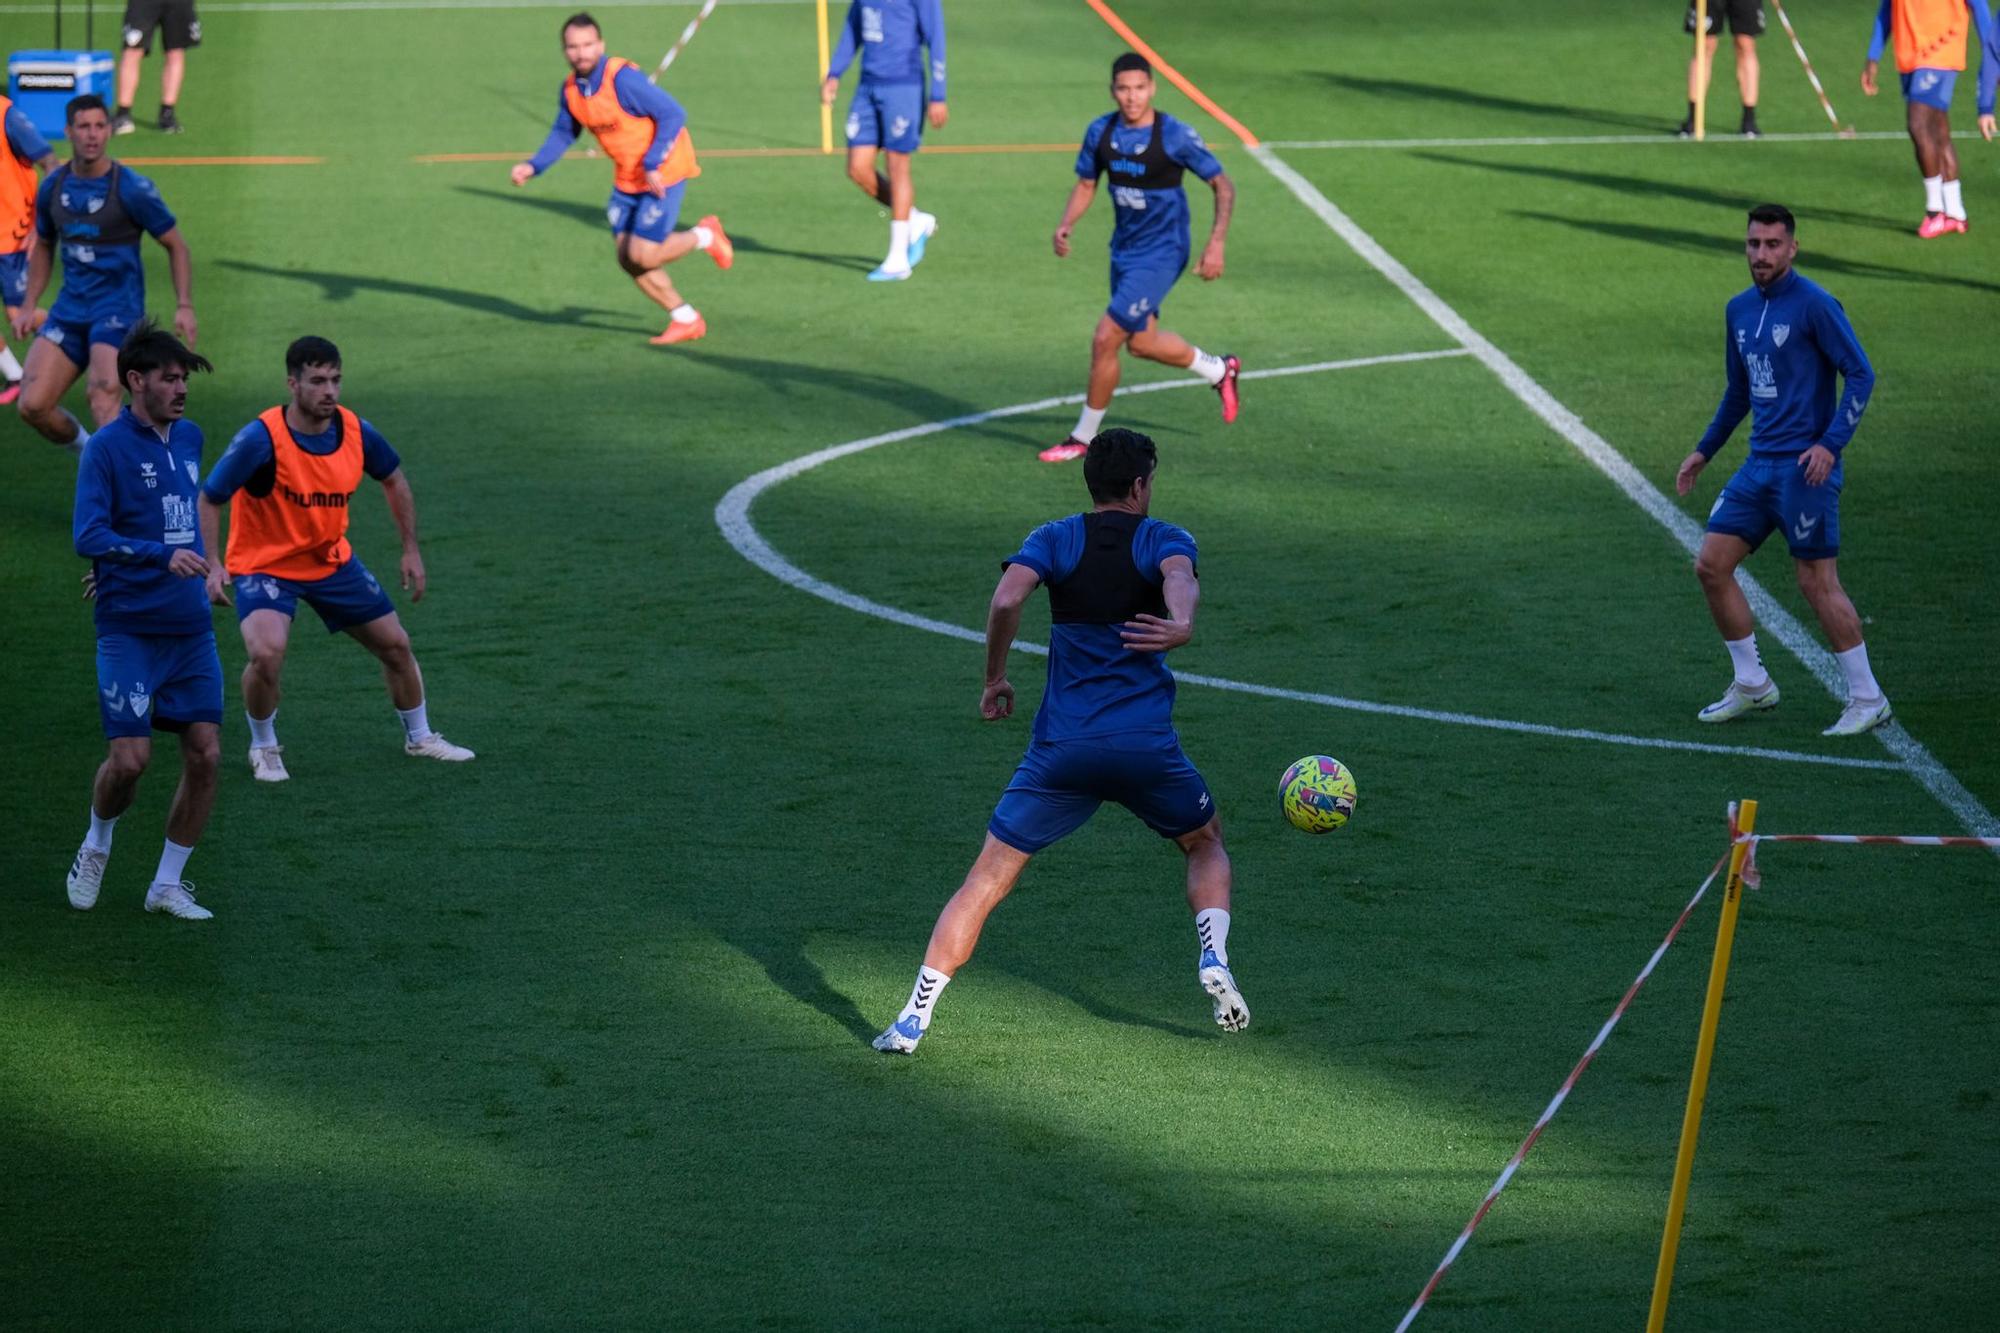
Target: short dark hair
81,103
149,347
1129,62
310,351
1777,214
1115,459
581,19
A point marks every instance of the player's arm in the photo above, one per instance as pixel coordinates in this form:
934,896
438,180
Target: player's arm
27,142
41,265
180,266
1989,66
94,538
403,509
209,515
843,54
1209,266
639,96
1182,592
930,31
561,135
1003,622
1729,414
1876,42
1835,339
1085,189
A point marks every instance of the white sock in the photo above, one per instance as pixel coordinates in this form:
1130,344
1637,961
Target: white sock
173,860
899,246
1750,671
416,721
1212,926
263,730
703,238
1088,422
1954,200
10,368
1860,680
99,837
1208,366
1933,194
75,446
684,314
923,995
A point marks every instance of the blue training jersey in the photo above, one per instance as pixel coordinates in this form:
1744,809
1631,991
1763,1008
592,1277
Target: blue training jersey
637,96
888,34
250,462
99,279
24,141
1985,47
1097,687
1150,223
1782,348
135,506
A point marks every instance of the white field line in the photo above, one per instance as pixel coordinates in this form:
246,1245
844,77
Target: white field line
732,516
1785,627
1574,140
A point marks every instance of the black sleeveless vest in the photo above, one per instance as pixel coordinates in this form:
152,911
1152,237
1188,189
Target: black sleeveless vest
109,225
1106,588
1151,170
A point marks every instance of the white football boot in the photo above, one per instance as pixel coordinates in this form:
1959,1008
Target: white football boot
86,877
267,763
1736,701
901,1037
176,900
1861,715
1231,1013
435,746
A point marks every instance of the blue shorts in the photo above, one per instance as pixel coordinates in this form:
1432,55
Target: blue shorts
1139,287
1930,87
75,338
347,597
14,280
890,115
1060,784
157,682
1769,493
648,217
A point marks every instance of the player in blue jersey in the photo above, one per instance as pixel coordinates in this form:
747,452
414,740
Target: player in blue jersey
1122,594
1785,340
157,668
1930,40
898,90
23,153
93,212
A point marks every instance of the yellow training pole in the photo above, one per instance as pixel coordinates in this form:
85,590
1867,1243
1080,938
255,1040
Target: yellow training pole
1700,64
825,111
1704,1051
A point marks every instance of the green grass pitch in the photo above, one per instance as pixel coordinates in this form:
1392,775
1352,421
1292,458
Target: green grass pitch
575,1036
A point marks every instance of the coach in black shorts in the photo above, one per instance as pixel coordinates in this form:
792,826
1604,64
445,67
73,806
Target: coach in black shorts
179,29
1746,24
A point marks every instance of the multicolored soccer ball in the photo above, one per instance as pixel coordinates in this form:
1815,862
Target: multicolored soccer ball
1317,794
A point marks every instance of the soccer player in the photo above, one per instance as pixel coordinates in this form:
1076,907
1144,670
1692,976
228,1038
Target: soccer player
291,474
644,133
179,29
157,668
897,91
1930,40
25,152
92,211
1122,594
1784,340
1144,152
1746,25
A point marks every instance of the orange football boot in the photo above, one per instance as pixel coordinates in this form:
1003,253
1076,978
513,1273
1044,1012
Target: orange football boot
682,333
720,250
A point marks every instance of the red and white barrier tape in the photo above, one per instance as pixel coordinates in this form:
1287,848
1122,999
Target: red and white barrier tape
687,35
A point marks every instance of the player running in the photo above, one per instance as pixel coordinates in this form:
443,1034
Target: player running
1122,594
292,473
644,133
897,91
157,668
1784,339
93,211
1144,152
1930,40
24,153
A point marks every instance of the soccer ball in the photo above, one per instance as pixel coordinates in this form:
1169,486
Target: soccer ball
1317,794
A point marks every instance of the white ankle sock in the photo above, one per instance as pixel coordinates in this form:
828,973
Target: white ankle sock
923,995
703,238
99,837
1088,422
263,730
1208,366
416,721
684,314
899,246
1933,194
173,860
1212,926
1954,200
1860,680
75,446
1750,671
10,368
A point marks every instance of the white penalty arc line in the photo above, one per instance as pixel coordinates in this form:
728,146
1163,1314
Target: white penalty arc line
732,517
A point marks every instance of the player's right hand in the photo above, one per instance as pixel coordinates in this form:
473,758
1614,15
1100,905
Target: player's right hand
997,700
1691,467
23,324
521,174
186,563
1868,84
1062,242
828,90
218,585
1988,127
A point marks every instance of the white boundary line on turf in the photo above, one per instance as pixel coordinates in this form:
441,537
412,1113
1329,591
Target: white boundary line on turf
1783,625
732,516
1575,140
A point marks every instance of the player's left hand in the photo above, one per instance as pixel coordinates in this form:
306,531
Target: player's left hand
1690,468
1818,462
1988,127
184,323
997,700
413,575
656,181
1150,634
939,116
1209,267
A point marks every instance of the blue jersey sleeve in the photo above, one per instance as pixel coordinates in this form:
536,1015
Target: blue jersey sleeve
1156,541
850,43
142,200
23,138
1836,341
248,454
1989,54
90,522
930,31
1183,144
561,135
1040,550
378,459
1735,403
1879,39
640,96
1087,167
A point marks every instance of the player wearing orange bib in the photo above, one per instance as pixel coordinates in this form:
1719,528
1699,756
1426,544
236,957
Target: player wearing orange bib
644,133
291,474
1930,39
22,152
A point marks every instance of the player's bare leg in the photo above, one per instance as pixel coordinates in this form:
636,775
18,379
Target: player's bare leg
173,69
1697,89
1208,883
101,385
1170,349
128,89
1106,341
266,635
45,378
1746,81
194,801
1751,688
111,793
1944,199
909,228
1867,705
862,171
646,262
992,877
11,369
386,638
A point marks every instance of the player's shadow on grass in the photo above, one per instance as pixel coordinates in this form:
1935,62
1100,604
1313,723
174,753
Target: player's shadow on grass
791,971
1411,90
751,245
344,286
594,215
1813,262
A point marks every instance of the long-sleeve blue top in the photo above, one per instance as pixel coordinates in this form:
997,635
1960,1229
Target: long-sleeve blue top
1987,47
24,141
1783,345
637,96
135,506
888,34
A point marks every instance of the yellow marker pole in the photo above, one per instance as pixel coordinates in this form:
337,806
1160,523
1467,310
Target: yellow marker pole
1700,65
825,57
1704,1052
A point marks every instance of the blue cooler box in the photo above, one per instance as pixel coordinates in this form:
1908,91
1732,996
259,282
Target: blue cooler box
41,82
